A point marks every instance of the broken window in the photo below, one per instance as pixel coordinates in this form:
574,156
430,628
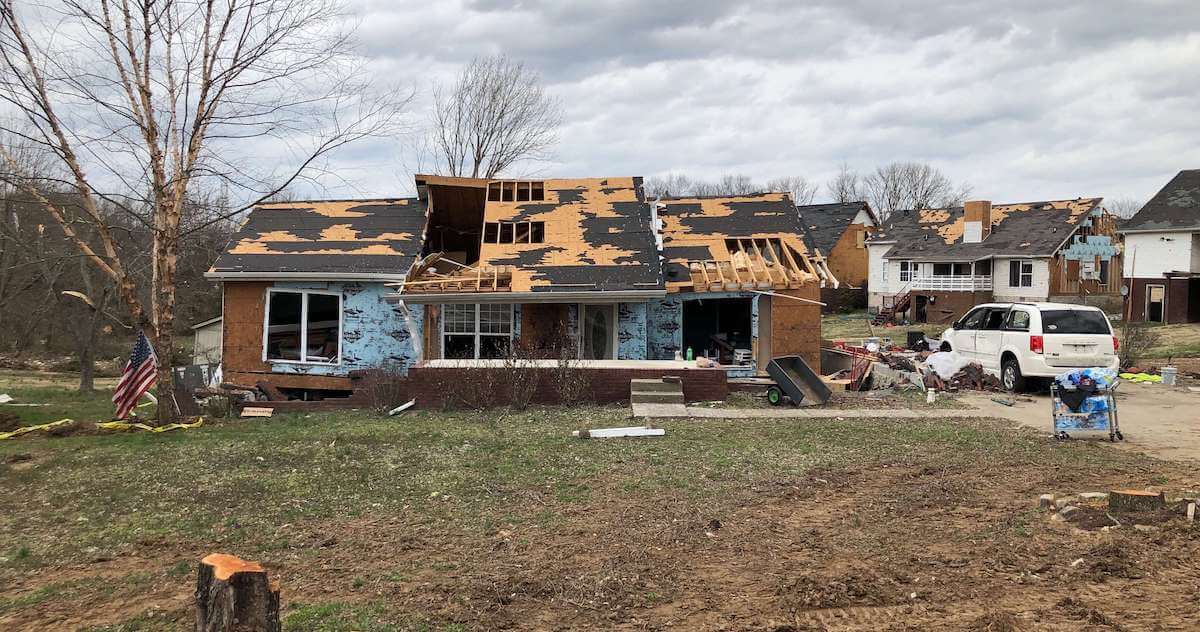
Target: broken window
514,232
303,326
476,331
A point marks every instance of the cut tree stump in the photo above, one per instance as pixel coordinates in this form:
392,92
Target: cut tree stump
233,595
1136,500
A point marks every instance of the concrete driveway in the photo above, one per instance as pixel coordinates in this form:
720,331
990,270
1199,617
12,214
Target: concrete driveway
1159,420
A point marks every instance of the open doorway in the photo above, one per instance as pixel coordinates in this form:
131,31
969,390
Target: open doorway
1156,301
719,328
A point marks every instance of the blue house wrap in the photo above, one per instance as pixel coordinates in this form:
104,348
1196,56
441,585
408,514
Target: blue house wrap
375,333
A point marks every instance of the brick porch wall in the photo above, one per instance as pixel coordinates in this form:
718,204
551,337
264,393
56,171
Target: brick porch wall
429,385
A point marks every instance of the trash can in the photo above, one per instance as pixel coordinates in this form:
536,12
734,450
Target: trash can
1168,375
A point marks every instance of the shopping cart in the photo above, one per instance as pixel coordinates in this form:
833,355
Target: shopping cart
1084,412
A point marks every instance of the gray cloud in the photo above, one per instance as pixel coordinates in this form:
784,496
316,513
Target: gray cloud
1022,99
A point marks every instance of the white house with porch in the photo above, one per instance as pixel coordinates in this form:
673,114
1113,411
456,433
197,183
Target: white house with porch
932,265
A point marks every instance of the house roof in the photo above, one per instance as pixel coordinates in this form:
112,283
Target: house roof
824,223
1026,229
1176,207
345,238
597,238
696,229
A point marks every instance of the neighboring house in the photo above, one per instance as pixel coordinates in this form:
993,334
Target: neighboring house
932,265
206,342
1162,261
839,232
317,290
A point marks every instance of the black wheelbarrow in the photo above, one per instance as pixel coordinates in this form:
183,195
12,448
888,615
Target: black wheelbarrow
797,381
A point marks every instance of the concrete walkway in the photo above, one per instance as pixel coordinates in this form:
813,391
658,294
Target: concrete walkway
1161,421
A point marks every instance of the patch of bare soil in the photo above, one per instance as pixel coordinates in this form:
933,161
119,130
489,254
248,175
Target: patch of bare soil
892,546
8,422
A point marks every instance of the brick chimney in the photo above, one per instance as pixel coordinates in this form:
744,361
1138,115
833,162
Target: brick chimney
977,221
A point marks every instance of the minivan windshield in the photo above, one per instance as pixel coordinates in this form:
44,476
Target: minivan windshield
1071,321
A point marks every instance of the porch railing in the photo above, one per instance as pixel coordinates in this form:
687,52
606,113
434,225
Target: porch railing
953,283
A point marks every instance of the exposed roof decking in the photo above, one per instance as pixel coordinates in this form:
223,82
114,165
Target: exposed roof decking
768,249
597,237
1029,229
342,237
1174,208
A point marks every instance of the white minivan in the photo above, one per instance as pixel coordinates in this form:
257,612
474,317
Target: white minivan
1022,340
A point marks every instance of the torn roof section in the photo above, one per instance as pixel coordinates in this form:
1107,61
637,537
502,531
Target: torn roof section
597,237
824,224
721,243
350,239
1026,229
1175,208
550,237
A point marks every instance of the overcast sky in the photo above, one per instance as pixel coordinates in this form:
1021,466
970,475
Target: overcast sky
1023,100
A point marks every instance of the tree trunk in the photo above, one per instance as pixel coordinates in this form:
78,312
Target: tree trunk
87,365
166,258
233,595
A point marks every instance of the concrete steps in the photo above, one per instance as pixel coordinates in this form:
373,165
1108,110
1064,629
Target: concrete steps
655,392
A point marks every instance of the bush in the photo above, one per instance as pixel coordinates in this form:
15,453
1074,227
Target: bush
1136,339
385,387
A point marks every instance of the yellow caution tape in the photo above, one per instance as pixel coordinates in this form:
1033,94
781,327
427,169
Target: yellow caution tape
28,429
125,425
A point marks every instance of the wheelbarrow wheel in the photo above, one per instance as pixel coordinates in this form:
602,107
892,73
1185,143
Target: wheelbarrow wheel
774,396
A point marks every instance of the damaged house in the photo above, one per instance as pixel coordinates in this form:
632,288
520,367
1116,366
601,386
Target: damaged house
458,275
839,231
1162,267
932,265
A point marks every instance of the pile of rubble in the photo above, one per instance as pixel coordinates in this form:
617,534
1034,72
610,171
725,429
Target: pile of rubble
875,368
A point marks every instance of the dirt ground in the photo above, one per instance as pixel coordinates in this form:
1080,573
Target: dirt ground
937,530
1158,420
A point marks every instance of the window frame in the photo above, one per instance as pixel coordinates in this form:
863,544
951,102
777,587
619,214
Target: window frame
1021,273
475,333
907,271
304,294
1008,320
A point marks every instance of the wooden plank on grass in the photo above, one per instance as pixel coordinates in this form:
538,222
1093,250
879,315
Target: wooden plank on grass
612,433
257,411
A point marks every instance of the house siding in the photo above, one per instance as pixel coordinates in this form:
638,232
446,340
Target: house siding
1002,291
374,334
1153,255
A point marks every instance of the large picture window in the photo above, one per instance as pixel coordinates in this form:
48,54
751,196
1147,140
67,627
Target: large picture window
476,331
303,326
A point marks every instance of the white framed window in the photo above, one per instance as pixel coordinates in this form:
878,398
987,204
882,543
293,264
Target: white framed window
472,332
908,270
1020,274
302,326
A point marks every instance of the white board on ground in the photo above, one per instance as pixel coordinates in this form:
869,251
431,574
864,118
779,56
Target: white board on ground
612,433
401,408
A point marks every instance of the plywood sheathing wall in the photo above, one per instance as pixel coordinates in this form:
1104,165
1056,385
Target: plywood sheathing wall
795,325
372,236
597,237
695,230
847,261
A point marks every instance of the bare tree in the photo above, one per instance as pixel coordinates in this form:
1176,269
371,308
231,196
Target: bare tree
801,189
670,184
145,101
911,185
846,186
1124,207
495,115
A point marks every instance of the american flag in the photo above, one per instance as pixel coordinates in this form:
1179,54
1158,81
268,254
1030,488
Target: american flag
138,376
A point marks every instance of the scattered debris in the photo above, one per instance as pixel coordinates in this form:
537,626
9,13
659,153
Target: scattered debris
273,394
257,411
5,398
401,408
1005,402
612,433
125,425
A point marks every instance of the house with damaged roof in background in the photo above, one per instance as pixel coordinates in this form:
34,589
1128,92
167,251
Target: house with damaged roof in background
932,265
839,232
1162,264
458,276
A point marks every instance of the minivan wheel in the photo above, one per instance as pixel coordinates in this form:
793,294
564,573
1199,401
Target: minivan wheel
1010,375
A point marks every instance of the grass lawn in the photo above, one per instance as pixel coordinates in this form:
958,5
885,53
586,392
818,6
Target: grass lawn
1176,341
486,520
